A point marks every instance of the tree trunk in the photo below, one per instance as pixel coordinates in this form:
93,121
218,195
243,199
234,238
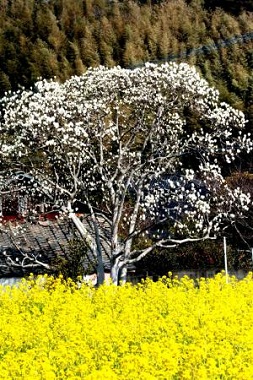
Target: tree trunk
118,272
98,247
91,244
115,271
100,271
123,275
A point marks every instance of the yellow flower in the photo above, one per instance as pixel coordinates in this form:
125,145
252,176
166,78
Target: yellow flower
173,329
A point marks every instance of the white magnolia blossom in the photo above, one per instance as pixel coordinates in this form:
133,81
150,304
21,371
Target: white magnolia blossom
118,141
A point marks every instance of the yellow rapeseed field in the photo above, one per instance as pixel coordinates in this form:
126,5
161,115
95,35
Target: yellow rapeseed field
171,329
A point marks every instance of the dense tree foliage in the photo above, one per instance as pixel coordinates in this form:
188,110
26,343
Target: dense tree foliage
61,38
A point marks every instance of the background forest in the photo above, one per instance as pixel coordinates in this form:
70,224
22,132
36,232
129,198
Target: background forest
61,38
40,38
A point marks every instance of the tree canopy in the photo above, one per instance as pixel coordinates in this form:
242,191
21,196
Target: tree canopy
120,142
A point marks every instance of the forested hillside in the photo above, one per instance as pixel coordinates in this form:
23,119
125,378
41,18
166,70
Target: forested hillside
63,37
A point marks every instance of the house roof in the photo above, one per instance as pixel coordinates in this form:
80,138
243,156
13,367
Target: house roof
27,247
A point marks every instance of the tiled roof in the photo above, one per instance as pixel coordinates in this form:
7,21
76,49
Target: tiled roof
43,240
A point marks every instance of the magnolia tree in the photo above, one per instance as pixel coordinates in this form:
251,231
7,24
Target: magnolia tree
119,142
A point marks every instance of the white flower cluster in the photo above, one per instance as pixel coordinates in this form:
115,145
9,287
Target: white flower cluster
117,140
